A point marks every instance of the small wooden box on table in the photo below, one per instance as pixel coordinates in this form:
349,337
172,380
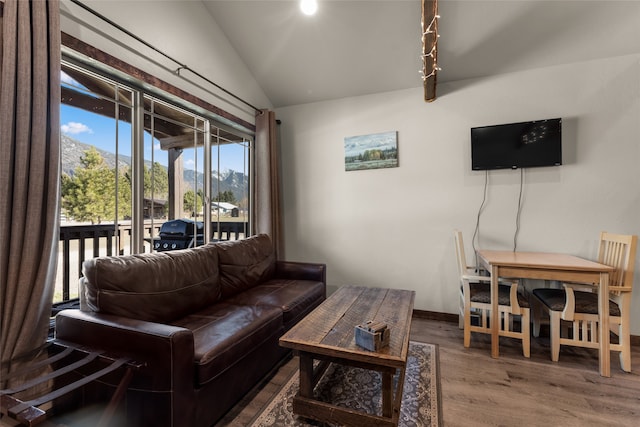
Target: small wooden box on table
327,334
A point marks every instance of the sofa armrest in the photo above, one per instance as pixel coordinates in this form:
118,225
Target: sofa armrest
166,352
301,271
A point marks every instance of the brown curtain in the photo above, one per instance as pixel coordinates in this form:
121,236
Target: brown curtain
29,173
267,181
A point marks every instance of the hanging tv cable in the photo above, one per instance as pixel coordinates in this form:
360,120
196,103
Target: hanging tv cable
515,235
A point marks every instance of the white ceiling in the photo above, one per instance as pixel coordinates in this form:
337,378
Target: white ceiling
352,48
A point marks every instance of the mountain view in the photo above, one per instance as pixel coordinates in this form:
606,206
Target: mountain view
72,151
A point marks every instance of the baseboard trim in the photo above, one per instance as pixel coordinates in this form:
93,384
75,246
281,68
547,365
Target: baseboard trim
453,318
434,315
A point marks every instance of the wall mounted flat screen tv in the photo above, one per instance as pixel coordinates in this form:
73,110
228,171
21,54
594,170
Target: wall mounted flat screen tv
517,145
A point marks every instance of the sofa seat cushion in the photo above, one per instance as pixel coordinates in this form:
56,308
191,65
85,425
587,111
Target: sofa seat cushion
294,298
245,263
224,333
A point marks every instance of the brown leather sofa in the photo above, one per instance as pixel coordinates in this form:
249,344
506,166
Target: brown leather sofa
204,322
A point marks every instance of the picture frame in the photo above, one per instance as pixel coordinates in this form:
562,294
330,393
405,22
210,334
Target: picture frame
372,151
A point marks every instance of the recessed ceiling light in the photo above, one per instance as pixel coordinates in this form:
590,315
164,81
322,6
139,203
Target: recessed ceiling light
308,7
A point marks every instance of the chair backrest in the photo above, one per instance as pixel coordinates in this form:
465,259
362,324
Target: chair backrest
461,257
619,251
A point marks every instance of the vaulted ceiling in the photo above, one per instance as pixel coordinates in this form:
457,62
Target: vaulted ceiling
359,47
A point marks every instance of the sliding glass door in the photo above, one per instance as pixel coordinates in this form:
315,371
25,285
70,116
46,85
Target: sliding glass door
132,161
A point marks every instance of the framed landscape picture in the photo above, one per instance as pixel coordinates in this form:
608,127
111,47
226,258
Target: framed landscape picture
374,151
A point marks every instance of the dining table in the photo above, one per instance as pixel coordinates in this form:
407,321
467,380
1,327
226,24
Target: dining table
549,266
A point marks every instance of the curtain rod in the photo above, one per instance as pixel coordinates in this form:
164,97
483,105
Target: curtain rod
181,65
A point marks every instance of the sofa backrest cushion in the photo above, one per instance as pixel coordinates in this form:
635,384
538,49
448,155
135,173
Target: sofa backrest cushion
245,263
156,287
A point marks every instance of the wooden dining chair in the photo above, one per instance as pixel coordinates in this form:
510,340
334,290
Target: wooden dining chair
475,298
573,309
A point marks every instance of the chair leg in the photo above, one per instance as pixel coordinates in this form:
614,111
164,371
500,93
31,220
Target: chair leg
526,331
625,340
537,315
555,335
467,328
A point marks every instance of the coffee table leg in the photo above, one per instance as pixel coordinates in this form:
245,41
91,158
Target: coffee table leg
306,375
387,395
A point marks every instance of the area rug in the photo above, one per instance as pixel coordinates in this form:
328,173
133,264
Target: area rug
359,389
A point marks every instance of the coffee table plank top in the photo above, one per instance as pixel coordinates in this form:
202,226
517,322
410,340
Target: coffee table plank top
394,312
329,329
363,308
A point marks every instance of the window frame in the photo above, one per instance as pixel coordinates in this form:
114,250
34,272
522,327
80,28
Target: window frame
82,56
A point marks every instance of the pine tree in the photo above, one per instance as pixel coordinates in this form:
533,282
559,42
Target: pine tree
192,202
124,194
89,195
226,196
156,182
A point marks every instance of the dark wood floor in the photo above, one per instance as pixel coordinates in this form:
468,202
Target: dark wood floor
510,391
514,391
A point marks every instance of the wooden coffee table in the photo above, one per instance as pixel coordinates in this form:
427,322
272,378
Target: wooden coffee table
327,334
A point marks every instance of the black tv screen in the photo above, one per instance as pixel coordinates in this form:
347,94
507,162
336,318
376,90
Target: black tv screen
517,145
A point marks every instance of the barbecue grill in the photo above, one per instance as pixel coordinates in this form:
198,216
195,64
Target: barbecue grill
179,234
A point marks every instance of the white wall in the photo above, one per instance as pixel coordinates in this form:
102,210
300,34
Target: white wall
194,39
393,227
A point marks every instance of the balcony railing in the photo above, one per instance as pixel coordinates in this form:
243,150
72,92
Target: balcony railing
81,242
